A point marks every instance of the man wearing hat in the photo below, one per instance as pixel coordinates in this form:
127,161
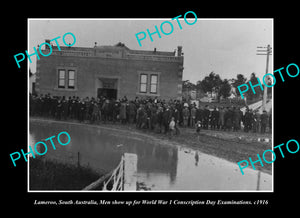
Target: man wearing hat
221,122
206,114
186,115
264,121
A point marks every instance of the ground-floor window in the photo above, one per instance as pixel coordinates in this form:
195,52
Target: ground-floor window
66,78
148,83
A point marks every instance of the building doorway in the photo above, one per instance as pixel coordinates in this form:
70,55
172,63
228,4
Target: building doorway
107,93
107,87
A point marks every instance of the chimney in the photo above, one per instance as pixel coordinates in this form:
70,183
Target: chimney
47,46
179,51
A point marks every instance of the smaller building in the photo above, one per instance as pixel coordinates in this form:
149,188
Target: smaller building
32,78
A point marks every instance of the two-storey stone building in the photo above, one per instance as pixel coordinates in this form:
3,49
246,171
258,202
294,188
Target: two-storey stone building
111,71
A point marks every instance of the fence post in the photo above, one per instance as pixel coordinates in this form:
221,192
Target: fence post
130,171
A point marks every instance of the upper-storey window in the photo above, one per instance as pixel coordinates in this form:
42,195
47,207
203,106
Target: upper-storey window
148,83
66,78
61,78
143,83
153,83
71,79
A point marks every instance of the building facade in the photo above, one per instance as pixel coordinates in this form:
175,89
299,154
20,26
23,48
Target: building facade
110,71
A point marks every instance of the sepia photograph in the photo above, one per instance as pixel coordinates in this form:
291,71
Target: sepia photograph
177,104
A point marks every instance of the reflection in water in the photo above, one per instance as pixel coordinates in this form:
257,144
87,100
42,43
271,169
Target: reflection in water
160,166
102,149
196,158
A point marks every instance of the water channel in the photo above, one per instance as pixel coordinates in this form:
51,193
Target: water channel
162,165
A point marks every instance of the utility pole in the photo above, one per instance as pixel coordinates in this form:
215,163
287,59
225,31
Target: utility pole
267,52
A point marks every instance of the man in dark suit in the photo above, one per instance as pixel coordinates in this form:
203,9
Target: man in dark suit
206,114
214,119
167,114
264,120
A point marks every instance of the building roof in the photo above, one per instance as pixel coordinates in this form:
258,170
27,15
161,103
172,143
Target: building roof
116,49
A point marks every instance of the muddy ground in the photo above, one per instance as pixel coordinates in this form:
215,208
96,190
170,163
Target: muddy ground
232,146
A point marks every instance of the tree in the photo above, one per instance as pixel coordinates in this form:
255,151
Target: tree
240,79
199,85
258,92
187,85
224,89
199,89
211,82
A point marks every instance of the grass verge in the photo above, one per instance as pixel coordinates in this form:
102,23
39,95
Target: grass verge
51,175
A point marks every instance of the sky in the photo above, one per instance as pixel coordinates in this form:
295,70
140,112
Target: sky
225,46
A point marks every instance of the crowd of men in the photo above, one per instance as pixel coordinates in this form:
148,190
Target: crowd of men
148,113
